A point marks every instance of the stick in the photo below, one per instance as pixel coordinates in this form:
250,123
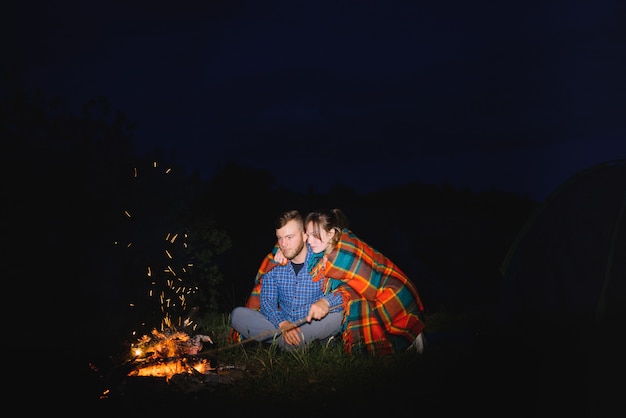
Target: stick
258,337
261,336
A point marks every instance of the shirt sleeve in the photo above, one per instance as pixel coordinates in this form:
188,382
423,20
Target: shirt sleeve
269,299
335,301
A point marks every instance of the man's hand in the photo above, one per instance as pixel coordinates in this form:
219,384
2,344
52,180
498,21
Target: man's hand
318,310
291,333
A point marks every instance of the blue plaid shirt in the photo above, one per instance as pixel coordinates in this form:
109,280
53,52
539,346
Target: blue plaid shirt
294,294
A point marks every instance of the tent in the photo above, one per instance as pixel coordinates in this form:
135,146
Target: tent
568,264
564,288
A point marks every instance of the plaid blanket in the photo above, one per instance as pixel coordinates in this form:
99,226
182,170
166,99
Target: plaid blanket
383,308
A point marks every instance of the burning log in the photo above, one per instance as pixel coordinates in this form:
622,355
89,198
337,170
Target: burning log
169,353
169,344
172,366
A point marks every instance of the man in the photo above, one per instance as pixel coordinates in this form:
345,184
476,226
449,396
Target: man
293,309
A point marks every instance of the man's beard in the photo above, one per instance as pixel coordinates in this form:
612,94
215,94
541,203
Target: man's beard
295,252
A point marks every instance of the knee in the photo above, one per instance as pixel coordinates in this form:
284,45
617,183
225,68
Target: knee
235,314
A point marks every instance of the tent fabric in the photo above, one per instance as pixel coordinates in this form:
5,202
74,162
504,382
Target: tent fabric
568,264
563,298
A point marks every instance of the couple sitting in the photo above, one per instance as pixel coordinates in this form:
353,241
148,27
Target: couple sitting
323,281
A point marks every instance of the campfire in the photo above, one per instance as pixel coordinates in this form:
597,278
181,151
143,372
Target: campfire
166,354
170,355
178,360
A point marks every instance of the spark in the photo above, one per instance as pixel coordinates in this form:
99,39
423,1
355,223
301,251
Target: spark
172,296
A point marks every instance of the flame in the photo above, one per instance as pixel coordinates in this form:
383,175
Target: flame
169,368
170,353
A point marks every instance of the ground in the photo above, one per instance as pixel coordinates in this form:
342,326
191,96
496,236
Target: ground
491,374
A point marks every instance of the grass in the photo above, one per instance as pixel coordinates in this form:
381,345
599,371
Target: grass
321,376
463,369
321,370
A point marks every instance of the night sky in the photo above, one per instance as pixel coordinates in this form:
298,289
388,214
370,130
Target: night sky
518,96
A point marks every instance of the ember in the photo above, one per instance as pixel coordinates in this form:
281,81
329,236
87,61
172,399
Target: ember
169,368
169,353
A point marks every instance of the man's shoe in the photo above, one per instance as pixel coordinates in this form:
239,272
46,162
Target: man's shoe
419,343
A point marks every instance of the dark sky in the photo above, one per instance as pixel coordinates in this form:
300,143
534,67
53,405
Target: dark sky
368,94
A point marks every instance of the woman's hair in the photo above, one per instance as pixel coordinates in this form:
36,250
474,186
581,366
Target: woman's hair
290,215
328,220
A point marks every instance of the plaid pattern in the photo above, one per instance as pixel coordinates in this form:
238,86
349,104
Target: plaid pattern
384,309
268,263
288,296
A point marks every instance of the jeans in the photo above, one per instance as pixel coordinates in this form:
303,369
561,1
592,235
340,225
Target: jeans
251,323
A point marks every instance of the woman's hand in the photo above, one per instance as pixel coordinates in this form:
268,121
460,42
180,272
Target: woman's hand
318,310
280,258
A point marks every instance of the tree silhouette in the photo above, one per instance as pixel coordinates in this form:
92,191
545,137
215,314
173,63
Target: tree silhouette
87,211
